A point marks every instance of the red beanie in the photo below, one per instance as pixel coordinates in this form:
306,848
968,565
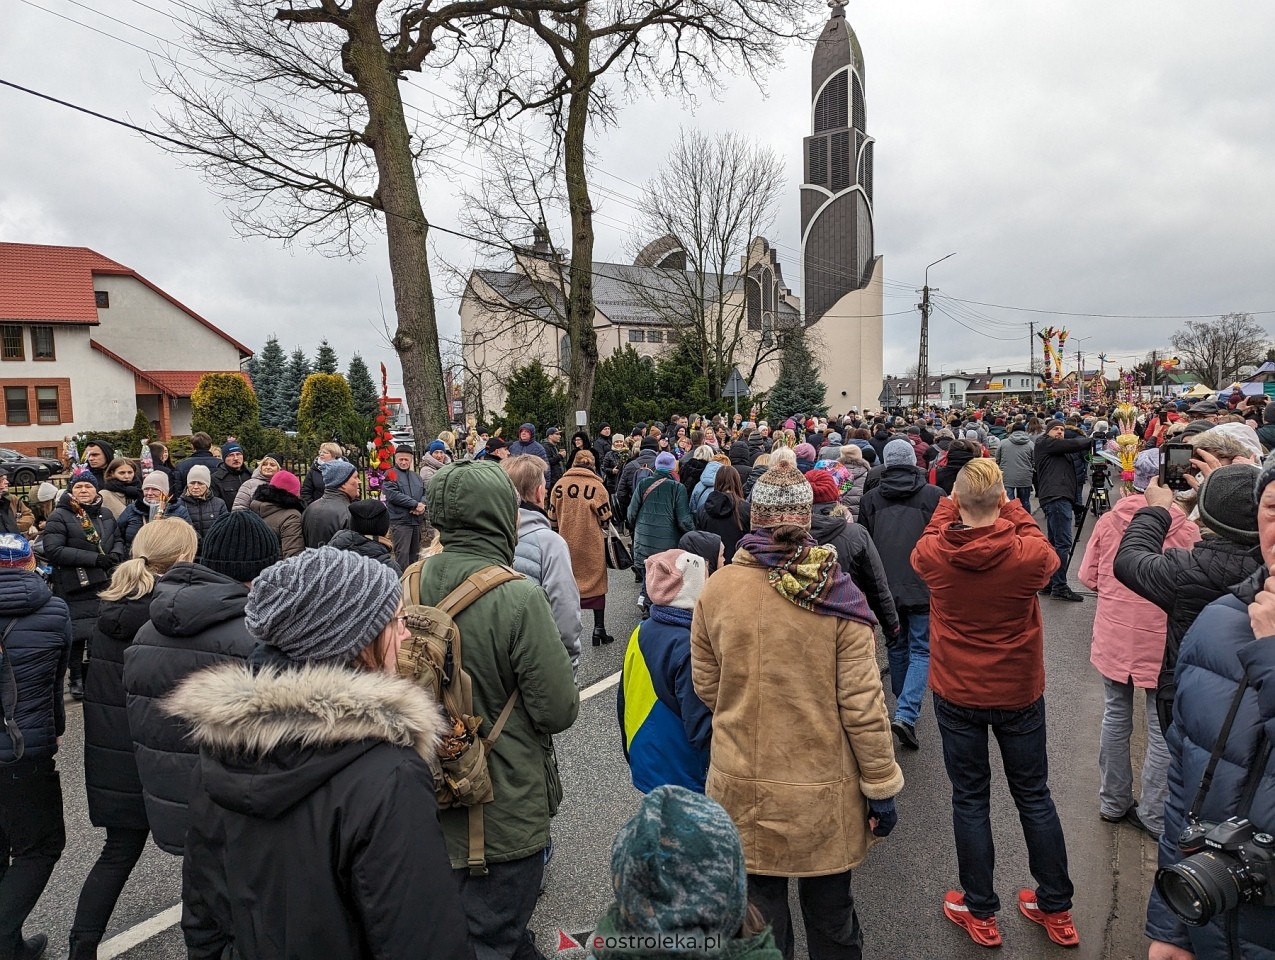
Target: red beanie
824,486
287,482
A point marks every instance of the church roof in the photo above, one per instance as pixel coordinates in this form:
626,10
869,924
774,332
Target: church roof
623,293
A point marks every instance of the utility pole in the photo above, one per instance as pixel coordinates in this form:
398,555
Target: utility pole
1080,377
1154,364
1031,356
923,362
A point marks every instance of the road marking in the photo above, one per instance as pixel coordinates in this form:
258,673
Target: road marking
120,944
600,686
134,936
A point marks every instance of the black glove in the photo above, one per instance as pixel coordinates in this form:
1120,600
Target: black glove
104,562
886,816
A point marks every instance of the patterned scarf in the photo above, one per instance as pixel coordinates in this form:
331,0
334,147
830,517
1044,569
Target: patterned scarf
90,531
809,576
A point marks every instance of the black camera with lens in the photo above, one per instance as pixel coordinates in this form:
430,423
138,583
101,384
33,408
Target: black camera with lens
1098,471
1227,864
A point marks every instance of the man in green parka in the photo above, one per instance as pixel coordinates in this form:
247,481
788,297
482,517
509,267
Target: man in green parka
510,645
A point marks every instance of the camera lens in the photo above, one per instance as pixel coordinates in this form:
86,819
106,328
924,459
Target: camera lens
1201,886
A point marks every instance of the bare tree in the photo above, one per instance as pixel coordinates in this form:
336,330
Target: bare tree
303,130
712,198
1214,350
570,68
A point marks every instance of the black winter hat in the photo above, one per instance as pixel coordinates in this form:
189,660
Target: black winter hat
649,443
1268,413
1227,503
370,518
239,545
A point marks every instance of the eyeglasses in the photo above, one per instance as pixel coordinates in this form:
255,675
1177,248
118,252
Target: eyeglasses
401,620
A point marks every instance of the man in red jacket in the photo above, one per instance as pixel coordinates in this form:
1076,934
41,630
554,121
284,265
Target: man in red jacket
983,558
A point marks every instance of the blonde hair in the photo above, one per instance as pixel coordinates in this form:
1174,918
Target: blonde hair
448,438
721,458
158,546
979,486
782,455
333,449
702,452
764,460
526,472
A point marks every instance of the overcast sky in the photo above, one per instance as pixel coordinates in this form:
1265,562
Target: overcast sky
1087,157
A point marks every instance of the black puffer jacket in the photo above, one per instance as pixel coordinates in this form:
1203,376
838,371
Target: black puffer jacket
858,557
753,476
945,476
742,455
226,482
689,470
718,515
1180,582
196,622
68,549
203,511
312,487
110,768
372,549
333,808
39,650
896,512
1056,475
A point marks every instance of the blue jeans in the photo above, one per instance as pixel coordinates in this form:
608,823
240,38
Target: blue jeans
1021,737
1024,494
1060,521
910,664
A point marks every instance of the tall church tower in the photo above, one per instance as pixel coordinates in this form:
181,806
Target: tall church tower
842,295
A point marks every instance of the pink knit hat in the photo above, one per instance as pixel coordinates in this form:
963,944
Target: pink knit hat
675,578
286,482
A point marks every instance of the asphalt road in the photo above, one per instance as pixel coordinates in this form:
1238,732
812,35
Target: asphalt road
899,889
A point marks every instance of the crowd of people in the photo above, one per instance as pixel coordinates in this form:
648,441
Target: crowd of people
253,653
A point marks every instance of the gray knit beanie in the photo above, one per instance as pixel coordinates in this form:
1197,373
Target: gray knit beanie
897,453
1227,504
323,605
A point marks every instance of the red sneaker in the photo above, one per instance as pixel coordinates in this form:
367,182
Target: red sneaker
1058,925
982,932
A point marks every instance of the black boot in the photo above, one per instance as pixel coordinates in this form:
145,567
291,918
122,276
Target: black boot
31,948
600,636
82,949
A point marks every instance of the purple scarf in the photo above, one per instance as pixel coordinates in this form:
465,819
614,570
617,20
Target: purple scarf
809,576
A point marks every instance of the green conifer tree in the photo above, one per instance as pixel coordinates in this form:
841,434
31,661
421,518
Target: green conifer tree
532,396
325,360
293,380
268,372
362,388
798,391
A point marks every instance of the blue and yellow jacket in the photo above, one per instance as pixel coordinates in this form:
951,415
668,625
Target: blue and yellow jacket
666,728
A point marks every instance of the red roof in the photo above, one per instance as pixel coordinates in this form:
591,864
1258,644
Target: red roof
55,285
171,383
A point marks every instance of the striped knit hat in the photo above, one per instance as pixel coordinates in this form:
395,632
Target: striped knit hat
781,497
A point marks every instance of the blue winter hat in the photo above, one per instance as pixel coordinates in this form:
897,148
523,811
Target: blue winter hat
84,475
229,448
665,461
335,473
15,552
435,446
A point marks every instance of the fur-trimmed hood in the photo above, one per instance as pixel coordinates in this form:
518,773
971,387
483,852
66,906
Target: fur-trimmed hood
270,738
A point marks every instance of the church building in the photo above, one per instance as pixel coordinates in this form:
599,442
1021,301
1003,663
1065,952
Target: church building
511,317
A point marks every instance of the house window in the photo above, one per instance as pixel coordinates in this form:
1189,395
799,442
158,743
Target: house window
951,389
50,452
42,342
101,298
17,409
46,403
637,336
655,336
11,342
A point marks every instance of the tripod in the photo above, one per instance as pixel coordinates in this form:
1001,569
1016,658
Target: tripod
1098,502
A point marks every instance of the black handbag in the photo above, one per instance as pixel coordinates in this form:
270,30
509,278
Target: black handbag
619,556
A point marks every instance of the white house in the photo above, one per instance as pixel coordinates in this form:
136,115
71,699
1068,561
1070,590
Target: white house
86,342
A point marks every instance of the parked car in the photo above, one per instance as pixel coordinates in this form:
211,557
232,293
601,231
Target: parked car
24,471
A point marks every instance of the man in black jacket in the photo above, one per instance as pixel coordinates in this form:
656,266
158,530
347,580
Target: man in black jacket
896,512
202,444
643,464
1183,582
36,642
1057,490
230,474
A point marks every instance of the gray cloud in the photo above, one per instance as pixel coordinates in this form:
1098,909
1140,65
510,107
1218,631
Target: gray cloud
1086,157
